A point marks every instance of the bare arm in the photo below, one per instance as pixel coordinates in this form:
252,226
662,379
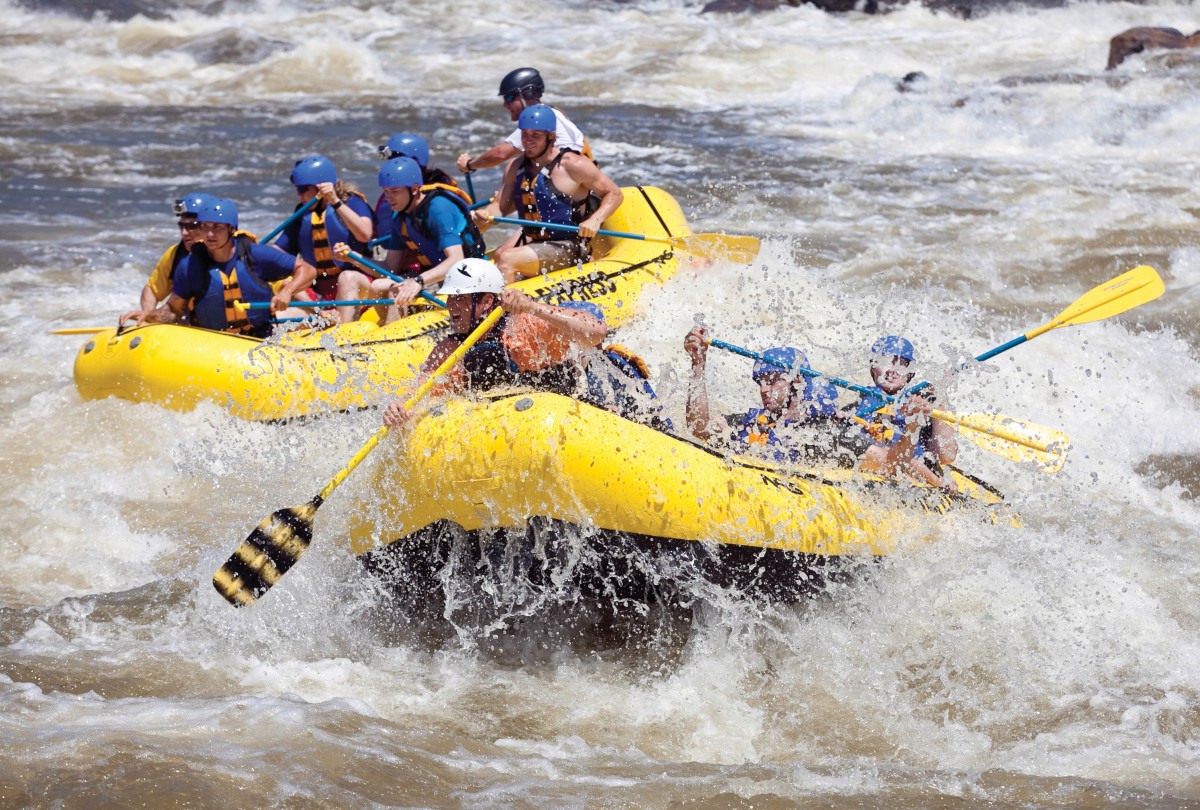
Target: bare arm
575,325
501,205
171,311
493,157
587,174
303,274
696,345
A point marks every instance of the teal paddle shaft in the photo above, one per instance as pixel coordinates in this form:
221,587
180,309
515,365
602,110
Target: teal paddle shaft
299,212
554,226
470,185
358,258
352,302
807,372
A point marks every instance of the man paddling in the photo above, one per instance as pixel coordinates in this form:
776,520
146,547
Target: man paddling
552,185
790,401
917,445
431,230
519,89
158,286
535,345
227,269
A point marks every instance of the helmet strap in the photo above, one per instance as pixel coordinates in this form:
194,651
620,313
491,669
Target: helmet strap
549,143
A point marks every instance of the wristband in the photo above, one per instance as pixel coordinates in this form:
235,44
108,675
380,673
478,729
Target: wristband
337,205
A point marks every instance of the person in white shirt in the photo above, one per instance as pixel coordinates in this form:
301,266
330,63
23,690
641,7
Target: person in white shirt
523,88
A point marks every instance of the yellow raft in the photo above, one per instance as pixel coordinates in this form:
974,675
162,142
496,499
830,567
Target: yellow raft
541,467
359,364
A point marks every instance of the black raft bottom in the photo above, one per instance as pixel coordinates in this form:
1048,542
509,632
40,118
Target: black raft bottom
494,581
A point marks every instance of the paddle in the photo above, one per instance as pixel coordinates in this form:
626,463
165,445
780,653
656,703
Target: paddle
738,249
1044,445
470,186
79,330
349,302
299,212
283,536
1117,295
1014,439
363,261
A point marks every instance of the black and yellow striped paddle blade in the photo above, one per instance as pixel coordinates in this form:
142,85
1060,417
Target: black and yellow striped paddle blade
267,554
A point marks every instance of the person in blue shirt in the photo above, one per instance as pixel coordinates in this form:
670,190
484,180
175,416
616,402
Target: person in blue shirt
790,400
227,269
407,144
432,226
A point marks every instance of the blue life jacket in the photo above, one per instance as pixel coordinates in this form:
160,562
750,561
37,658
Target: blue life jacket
541,201
214,292
414,230
757,427
868,409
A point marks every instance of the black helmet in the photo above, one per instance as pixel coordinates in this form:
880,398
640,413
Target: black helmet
526,81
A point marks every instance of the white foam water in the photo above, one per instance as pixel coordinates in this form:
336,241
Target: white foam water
1051,664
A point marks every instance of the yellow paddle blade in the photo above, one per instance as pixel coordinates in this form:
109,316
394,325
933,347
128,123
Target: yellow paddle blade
283,536
266,554
1014,439
718,246
1122,293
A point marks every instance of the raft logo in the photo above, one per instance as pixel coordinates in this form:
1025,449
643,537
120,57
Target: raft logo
594,285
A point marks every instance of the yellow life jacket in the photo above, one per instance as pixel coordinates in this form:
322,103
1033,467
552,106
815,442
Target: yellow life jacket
322,250
630,358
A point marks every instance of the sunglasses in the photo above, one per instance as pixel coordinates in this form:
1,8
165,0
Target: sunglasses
509,98
188,226
305,189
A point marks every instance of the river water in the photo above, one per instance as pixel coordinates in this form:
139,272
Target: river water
1053,665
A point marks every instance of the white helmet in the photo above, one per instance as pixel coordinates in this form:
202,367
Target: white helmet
472,276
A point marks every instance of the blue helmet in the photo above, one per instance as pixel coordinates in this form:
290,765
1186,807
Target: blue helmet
538,117
191,202
891,346
777,360
218,209
405,144
400,171
312,170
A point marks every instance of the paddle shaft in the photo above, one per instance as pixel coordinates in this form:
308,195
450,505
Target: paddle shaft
362,260
554,226
79,330
962,422
807,372
1113,297
349,302
282,537
299,212
417,395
